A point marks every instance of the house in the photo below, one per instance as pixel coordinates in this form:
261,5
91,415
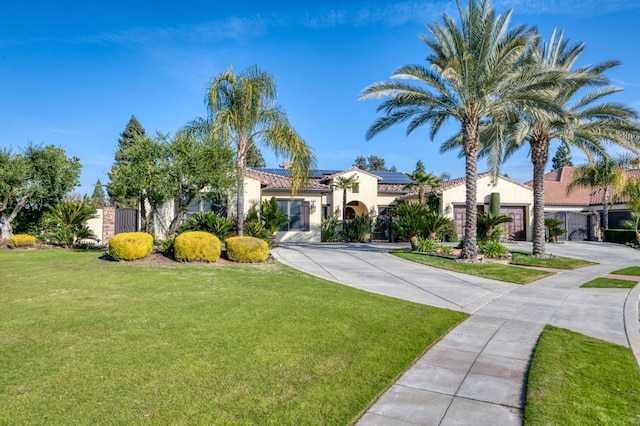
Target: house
581,208
373,194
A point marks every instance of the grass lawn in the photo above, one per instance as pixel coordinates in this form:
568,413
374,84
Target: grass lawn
632,270
555,262
604,282
507,273
85,341
578,380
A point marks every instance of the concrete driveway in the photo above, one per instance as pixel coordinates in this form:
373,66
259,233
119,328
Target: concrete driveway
477,373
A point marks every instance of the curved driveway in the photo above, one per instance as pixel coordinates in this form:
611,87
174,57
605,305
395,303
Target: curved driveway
476,374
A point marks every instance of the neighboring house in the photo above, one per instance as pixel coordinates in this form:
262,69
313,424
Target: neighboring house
580,208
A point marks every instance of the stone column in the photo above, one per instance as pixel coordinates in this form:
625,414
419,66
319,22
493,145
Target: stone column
108,224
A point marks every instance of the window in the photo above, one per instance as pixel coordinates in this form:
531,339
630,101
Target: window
355,188
207,203
298,213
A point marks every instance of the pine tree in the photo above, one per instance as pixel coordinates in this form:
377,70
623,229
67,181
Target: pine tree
420,167
562,157
128,137
255,158
98,195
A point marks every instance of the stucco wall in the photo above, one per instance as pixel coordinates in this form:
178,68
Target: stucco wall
511,194
367,195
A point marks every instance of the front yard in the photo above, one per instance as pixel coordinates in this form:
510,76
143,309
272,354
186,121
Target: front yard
85,341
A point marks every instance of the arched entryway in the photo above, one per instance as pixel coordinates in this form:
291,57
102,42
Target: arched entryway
355,208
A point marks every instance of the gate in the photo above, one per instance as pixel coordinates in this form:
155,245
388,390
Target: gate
126,220
576,225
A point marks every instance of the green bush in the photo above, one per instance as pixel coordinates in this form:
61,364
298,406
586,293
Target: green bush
247,249
212,222
493,249
426,245
130,245
448,233
196,246
620,236
21,241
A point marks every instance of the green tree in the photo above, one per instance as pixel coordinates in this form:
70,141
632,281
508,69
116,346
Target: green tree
361,163
131,133
562,158
98,195
472,77
411,222
420,167
602,175
197,160
490,223
421,181
143,177
255,158
373,163
346,183
128,137
631,193
33,180
243,109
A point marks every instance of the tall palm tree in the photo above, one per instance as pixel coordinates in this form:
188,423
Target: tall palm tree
243,108
602,175
420,181
582,120
472,76
345,183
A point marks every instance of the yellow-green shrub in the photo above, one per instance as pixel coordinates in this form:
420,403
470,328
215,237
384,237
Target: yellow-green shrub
196,246
21,240
247,249
130,245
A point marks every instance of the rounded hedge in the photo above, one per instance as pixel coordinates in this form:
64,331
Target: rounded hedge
197,246
247,249
21,240
130,245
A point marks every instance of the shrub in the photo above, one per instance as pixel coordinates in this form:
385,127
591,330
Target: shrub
620,236
196,246
493,249
426,245
446,250
247,249
448,233
330,230
21,241
130,245
209,222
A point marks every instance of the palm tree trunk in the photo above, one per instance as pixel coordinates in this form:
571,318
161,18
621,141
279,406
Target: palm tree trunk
605,209
539,156
470,140
344,209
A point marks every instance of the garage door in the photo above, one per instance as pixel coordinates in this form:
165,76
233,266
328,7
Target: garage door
515,230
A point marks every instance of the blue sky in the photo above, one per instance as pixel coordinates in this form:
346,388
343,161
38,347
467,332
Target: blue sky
72,73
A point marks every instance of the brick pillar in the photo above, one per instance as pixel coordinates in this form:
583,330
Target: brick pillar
108,224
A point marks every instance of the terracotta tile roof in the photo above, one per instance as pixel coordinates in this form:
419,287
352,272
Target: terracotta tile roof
392,187
275,182
557,181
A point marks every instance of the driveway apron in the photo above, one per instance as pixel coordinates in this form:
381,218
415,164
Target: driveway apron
476,374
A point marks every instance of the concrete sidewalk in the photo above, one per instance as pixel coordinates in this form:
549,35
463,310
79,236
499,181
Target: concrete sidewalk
477,373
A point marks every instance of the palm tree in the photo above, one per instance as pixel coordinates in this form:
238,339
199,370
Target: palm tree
345,183
420,181
472,76
243,108
585,122
490,221
602,175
